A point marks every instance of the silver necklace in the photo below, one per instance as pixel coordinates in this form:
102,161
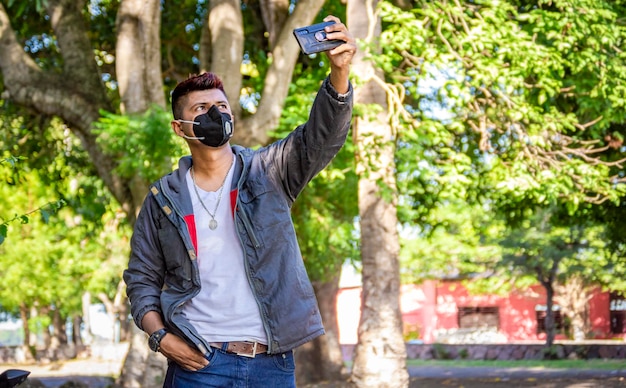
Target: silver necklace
213,222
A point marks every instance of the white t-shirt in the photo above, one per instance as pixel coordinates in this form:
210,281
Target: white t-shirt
225,309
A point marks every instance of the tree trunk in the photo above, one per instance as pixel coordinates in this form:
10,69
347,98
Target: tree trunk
86,302
139,75
274,13
547,280
27,334
77,339
125,322
122,311
380,354
59,327
138,69
549,322
142,367
225,29
47,339
138,55
321,359
573,297
62,350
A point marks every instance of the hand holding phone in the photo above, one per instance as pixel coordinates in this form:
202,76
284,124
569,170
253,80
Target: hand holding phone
312,39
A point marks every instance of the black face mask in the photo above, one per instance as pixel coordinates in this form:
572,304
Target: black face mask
212,128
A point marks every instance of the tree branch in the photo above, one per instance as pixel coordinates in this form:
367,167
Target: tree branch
253,130
589,124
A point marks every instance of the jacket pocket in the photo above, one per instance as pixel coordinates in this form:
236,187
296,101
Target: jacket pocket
264,207
177,263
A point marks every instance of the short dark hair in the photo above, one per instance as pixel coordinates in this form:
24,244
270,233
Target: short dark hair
204,81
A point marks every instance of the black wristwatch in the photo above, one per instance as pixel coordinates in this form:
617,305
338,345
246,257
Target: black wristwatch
155,339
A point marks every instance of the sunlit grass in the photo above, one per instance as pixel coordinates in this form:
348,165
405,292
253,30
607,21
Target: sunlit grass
563,364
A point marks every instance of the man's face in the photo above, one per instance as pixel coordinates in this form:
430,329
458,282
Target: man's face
197,103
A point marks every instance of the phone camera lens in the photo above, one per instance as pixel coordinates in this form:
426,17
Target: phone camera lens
320,36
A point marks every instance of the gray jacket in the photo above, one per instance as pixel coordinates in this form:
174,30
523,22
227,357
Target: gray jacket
162,273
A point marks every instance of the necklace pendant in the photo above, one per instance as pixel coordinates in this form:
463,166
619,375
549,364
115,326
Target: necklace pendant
213,224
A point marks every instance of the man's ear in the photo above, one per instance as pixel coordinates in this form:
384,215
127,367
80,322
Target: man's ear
176,127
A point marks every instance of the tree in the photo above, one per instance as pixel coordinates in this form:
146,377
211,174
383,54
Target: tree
380,325
538,248
324,217
45,210
581,262
504,106
47,261
504,103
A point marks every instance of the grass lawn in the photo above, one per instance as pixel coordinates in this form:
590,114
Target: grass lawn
565,364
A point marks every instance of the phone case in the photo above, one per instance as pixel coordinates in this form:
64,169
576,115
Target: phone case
312,39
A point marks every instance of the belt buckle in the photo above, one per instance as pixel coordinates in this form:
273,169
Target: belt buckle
250,355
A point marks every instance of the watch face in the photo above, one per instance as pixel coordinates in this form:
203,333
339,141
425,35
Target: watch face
155,339
154,344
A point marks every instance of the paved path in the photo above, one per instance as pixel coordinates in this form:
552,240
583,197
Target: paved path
421,377
84,381
485,377
441,372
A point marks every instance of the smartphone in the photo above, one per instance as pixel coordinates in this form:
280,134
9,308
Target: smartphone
312,39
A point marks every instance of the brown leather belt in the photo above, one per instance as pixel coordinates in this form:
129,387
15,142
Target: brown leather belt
242,348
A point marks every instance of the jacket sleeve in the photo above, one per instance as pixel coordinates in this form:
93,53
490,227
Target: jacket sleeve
146,266
308,149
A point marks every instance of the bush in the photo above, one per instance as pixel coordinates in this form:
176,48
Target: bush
440,352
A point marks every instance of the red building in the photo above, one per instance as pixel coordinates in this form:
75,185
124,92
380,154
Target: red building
438,310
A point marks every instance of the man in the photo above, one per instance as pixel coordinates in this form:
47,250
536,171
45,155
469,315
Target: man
215,275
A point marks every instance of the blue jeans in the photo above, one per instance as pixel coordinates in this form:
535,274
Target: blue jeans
230,370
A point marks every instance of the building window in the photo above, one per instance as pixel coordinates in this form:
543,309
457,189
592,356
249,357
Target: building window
559,322
479,318
617,313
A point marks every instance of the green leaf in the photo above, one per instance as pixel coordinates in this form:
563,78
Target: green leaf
542,97
45,216
3,232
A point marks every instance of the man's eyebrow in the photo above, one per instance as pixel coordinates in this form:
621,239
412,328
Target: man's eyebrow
218,102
